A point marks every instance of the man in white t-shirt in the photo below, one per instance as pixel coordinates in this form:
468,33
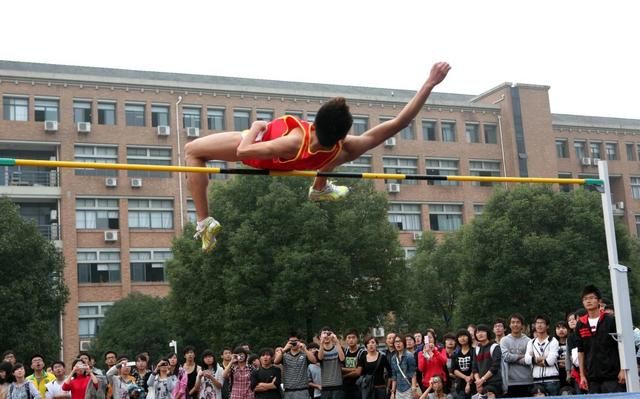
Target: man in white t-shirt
54,388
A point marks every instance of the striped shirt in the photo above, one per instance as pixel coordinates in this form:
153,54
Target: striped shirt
294,368
331,370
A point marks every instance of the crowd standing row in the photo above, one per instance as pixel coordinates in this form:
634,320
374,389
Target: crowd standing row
477,362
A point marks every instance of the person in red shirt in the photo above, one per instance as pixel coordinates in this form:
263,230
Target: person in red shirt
288,143
432,362
78,380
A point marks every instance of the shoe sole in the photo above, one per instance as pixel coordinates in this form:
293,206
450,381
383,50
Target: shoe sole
213,242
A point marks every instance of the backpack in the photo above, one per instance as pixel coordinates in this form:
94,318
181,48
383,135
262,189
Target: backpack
493,347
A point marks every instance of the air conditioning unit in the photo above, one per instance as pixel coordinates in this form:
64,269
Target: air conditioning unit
136,182
377,332
193,132
585,161
53,215
83,127
595,161
163,130
111,235
620,205
111,182
50,126
85,345
393,187
390,142
417,235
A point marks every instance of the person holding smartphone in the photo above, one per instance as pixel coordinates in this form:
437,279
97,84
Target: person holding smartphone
78,380
240,374
119,376
161,381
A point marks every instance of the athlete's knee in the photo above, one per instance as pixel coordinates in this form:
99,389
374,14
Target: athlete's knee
190,150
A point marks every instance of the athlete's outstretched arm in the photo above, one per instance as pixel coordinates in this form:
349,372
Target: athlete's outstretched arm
358,145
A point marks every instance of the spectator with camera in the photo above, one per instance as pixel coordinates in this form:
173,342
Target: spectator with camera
331,357
209,381
295,359
119,376
161,382
240,375
80,381
141,372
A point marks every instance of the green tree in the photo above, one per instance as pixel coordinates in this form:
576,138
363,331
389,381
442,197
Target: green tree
286,263
32,290
532,251
135,323
434,283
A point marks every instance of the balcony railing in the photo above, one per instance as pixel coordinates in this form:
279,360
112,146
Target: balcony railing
50,231
9,176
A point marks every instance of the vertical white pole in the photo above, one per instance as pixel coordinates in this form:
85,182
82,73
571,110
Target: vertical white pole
619,289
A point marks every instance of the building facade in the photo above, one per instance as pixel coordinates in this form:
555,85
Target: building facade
115,227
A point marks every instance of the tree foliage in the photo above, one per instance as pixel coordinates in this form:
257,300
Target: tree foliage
434,280
532,251
32,290
133,324
286,263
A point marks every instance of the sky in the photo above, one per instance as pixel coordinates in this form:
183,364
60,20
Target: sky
586,51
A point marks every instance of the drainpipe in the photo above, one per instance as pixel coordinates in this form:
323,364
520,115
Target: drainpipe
180,192
504,164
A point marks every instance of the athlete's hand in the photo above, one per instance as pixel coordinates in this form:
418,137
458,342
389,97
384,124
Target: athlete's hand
438,72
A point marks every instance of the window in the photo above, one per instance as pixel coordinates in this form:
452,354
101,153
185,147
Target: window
631,152
448,131
191,117
478,209
159,115
81,111
151,214
407,166
215,118
15,109
149,265
409,252
297,114
311,117
360,165
595,150
408,133
97,154
490,134
191,212
635,187
472,130
442,167
429,130
90,317
562,148
46,110
565,187
264,115
445,217
217,164
638,225
484,168
579,147
405,217
97,214
149,156
106,113
96,266
241,120
612,151
134,114
360,125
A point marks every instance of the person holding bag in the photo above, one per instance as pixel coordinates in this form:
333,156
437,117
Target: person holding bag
403,366
373,365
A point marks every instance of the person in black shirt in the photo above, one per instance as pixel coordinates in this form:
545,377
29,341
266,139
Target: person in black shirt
372,362
266,380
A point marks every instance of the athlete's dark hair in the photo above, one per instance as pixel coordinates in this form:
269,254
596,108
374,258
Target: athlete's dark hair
333,121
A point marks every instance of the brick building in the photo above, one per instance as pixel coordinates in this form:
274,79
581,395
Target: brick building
115,227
